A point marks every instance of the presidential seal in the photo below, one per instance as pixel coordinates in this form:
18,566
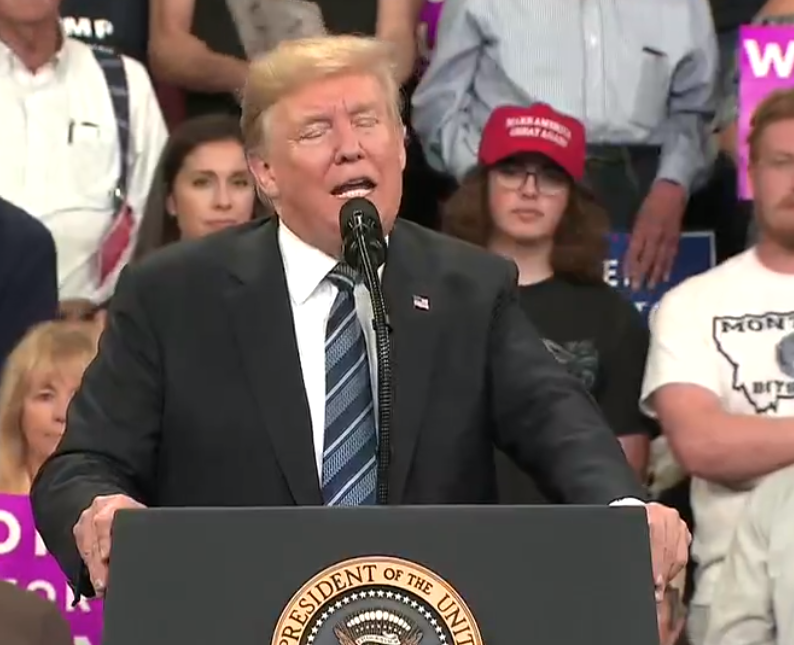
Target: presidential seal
376,601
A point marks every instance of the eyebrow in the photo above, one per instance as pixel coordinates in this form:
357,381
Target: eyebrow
324,116
214,173
360,108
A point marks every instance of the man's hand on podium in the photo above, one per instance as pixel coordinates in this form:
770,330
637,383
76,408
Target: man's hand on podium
92,534
670,539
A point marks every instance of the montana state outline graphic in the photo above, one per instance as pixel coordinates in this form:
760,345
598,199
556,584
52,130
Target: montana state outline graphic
760,351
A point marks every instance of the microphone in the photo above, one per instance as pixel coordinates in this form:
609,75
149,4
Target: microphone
362,235
364,250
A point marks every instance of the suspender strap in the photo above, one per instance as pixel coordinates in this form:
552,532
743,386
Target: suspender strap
116,78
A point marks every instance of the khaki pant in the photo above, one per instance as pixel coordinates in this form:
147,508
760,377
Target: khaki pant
697,624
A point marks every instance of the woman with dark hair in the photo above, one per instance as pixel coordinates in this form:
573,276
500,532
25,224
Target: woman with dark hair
524,202
202,185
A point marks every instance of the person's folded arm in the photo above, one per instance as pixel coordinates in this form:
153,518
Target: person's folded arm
112,432
440,114
686,131
682,388
545,419
177,57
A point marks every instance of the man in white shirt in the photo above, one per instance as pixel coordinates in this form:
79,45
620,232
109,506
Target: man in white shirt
754,599
267,318
61,143
720,372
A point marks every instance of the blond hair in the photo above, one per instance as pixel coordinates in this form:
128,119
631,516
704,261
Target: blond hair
50,346
293,64
776,107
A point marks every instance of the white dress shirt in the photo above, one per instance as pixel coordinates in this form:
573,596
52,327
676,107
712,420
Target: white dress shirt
68,181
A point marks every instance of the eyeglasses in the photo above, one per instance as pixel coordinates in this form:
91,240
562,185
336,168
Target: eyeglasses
548,180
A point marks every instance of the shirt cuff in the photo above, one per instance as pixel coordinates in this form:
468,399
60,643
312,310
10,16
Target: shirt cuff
627,501
676,170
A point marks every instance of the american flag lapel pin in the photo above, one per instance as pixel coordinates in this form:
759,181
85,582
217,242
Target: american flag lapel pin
421,303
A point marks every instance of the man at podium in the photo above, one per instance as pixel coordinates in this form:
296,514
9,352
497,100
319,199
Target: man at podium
240,370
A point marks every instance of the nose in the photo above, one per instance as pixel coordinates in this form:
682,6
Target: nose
530,185
348,144
223,200
60,408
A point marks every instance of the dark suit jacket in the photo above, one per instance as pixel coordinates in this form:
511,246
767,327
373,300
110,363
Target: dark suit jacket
28,275
28,619
197,399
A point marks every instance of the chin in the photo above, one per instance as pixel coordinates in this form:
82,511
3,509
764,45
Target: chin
779,230
388,209
531,235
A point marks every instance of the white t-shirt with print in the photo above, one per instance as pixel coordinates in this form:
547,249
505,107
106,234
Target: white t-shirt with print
731,331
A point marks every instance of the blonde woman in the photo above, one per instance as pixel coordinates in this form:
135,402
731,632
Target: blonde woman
40,376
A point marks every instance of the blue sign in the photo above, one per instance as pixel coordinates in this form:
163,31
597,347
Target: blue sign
696,254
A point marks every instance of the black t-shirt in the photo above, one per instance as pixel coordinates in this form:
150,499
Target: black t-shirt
601,338
731,14
213,24
120,24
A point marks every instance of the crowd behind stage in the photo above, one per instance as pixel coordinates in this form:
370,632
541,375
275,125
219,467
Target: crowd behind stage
119,134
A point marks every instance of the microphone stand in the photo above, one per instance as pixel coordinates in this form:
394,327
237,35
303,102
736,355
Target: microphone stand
380,323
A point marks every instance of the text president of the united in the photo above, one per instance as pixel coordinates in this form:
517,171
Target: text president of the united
212,386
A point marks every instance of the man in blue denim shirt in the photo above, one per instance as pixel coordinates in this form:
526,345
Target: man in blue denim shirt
640,75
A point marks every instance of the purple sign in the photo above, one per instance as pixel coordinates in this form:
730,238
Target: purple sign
766,63
428,27
24,561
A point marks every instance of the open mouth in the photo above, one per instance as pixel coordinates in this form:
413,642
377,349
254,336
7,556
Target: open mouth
359,187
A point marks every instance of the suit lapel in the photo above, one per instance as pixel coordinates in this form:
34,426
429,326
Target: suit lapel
414,301
261,314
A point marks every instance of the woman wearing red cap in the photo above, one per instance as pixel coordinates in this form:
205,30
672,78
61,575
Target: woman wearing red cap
524,201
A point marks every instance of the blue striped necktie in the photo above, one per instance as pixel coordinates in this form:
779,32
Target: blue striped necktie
349,474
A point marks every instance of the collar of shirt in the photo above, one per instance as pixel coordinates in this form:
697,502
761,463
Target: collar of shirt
10,62
305,267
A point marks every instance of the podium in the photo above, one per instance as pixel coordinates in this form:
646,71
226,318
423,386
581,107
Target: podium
454,575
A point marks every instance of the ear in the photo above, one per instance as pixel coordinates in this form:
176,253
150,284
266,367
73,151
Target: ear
264,176
750,177
403,147
170,205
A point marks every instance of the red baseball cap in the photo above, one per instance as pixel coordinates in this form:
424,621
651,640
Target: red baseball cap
513,130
